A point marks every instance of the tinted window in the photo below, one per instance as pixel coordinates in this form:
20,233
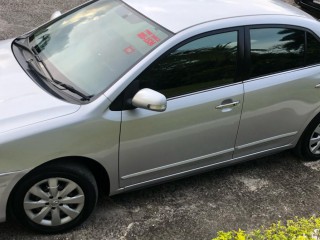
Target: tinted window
276,49
313,50
198,65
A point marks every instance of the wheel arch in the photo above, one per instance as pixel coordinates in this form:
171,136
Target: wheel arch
305,125
98,171
302,133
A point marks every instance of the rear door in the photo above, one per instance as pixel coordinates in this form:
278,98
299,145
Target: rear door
280,93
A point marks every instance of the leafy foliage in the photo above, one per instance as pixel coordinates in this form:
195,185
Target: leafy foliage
297,229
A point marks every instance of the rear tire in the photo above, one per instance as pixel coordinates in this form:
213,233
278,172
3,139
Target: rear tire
308,146
54,198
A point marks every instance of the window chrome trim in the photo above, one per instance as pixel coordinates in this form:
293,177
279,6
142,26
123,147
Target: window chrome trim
282,73
205,90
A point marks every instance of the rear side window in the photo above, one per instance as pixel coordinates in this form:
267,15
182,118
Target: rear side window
278,49
275,50
313,50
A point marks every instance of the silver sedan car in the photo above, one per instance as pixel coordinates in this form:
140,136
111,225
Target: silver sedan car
116,95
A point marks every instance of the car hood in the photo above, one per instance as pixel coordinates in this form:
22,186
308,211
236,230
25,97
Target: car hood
22,101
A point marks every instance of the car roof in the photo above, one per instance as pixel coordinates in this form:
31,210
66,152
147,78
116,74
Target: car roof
176,15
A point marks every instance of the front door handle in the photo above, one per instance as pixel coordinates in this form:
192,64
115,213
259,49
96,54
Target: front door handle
228,105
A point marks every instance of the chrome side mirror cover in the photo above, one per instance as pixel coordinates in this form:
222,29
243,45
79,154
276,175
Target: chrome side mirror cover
55,15
149,99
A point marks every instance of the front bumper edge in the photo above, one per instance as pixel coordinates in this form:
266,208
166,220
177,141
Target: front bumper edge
7,183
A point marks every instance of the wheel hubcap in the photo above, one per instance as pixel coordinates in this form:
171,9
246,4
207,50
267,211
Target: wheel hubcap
54,201
314,143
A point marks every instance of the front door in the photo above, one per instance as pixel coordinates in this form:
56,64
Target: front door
200,125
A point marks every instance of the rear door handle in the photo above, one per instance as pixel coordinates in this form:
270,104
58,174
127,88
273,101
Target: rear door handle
228,105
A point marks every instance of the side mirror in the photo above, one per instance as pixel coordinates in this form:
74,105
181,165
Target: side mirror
55,15
149,99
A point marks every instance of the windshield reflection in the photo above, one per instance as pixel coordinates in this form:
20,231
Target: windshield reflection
94,46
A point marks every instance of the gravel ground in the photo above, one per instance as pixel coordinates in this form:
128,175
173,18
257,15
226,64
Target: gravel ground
244,196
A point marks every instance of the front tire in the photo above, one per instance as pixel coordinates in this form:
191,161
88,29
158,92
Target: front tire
54,198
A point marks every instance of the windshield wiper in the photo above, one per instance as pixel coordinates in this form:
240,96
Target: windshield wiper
53,81
58,83
24,47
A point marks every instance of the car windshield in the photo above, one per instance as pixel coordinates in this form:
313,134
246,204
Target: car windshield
94,46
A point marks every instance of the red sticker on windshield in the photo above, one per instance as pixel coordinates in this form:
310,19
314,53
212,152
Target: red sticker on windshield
129,50
148,37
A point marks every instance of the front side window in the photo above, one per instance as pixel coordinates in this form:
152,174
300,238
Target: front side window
94,46
201,64
276,49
